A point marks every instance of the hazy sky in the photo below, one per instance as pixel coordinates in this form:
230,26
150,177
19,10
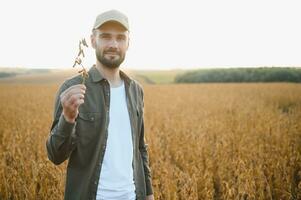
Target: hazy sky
164,34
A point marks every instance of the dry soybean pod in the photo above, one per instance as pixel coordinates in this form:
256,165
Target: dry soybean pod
78,60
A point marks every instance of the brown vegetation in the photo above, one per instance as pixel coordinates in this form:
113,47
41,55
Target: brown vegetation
206,141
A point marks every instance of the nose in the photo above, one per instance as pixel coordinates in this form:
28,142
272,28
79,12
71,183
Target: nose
113,43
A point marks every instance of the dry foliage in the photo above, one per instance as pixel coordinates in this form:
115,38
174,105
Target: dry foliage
206,141
78,60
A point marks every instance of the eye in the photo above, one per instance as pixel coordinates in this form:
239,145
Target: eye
105,36
121,38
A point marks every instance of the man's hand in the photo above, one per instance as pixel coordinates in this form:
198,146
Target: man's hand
150,197
71,99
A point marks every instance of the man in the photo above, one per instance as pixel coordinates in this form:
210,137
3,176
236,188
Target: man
99,126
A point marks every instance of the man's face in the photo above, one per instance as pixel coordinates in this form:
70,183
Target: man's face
111,41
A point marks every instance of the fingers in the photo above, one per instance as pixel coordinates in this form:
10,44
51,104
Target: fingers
76,89
73,97
76,104
70,97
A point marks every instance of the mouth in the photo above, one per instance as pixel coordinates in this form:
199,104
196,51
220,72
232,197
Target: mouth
112,53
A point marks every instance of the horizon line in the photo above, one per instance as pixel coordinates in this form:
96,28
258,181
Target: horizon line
156,69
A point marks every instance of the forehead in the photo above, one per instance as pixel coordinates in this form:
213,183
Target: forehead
112,27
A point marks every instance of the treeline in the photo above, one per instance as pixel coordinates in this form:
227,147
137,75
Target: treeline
262,74
6,74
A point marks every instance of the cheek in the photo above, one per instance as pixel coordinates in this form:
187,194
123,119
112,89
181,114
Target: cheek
97,44
99,47
123,47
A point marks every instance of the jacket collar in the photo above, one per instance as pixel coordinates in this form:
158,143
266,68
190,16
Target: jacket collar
97,76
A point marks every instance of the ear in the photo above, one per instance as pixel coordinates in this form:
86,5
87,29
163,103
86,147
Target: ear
128,44
93,40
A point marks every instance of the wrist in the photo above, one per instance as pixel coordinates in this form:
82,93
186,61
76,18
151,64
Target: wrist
70,120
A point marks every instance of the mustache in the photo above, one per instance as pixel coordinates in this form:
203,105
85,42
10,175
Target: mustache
112,51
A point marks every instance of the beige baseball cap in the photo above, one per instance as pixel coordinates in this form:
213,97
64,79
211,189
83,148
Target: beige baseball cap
111,15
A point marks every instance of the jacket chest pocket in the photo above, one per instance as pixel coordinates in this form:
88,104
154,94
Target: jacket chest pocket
88,126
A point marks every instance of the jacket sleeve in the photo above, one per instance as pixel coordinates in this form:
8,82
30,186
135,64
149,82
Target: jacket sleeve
143,148
62,139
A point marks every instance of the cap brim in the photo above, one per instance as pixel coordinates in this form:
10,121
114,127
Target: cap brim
123,24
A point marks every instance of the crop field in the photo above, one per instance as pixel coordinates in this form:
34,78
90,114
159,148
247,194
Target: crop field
206,141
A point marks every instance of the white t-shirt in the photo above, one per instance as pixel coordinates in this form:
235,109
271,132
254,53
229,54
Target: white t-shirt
116,177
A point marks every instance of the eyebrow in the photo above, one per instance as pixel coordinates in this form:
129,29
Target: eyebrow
109,34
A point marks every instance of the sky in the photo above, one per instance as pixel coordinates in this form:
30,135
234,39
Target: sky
163,34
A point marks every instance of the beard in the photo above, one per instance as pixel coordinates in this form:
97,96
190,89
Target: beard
110,63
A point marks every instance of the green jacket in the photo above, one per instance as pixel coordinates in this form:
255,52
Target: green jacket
84,142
